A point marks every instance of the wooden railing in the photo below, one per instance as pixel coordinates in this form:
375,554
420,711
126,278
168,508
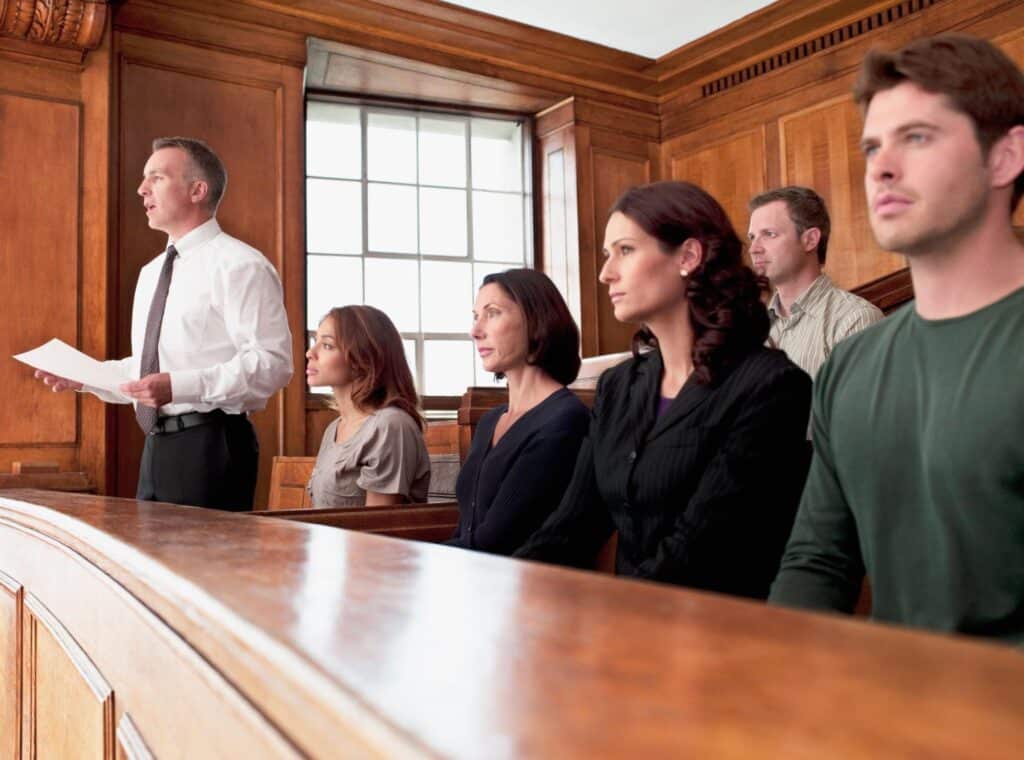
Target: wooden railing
129,628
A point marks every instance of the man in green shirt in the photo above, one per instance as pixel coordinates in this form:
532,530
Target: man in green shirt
918,472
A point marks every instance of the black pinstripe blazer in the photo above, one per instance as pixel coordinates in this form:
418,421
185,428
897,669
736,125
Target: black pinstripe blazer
703,496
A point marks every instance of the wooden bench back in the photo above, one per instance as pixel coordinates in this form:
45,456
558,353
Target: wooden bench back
288,479
432,522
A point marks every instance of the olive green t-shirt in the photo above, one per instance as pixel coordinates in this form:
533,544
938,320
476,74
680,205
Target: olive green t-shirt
918,475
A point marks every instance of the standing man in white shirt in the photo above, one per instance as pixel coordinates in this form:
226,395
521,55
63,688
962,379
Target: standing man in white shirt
210,339
789,230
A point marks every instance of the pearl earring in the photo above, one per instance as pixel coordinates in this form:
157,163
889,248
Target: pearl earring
684,273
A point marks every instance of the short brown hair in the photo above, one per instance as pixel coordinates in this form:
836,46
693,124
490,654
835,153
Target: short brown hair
373,351
979,80
206,163
805,207
552,337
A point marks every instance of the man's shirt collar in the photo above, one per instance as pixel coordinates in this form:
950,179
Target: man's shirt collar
195,238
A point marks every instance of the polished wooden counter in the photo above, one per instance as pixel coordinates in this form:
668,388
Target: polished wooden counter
205,634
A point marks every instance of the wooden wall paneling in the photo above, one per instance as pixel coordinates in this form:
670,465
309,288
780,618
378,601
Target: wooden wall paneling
615,164
70,705
290,255
733,171
769,28
417,31
686,110
39,262
1013,45
351,69
11,594
250,111
819,148
98,448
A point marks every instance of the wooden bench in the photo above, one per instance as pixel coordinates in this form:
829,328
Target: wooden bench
432,522
289,476
289,500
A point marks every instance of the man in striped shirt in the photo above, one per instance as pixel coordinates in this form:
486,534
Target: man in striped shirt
789,229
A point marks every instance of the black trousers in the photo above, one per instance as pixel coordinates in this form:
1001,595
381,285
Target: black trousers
209,465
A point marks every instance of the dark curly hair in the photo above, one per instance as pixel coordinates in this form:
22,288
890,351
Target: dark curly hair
724,296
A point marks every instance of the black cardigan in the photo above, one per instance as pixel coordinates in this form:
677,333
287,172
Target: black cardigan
506,492
703,496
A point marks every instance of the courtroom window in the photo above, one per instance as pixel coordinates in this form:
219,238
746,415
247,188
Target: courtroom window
408,210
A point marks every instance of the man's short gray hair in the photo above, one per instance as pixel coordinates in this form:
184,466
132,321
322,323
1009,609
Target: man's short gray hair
208,166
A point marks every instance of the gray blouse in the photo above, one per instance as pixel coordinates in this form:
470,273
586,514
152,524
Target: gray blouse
386,455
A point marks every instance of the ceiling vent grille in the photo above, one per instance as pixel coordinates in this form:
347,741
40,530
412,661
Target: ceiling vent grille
810,47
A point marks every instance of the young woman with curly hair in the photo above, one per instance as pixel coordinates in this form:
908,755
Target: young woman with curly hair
697,449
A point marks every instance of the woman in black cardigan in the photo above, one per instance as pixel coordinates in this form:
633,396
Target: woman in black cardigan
523,452
697,449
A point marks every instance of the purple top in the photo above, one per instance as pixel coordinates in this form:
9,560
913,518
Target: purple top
663,404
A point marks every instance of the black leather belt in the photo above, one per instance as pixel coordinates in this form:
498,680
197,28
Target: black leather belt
188,420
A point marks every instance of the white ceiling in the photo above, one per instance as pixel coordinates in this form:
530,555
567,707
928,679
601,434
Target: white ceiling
647,27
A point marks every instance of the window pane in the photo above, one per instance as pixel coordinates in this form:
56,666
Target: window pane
331,281
447,296
498,227
448,367
443,222
497,155
442,152
334,216
391,147
392,218
391,287
334,144
410,357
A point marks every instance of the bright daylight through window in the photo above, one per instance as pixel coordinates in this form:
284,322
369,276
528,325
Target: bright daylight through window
408,211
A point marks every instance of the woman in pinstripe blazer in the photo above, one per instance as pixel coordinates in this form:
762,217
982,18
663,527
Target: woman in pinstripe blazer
697,448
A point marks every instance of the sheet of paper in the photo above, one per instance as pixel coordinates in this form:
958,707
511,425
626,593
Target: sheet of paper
58,358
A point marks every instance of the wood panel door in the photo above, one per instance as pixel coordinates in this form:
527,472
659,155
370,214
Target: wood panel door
820,148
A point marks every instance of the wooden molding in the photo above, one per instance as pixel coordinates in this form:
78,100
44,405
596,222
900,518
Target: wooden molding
888,293
336,67
875,19
130,743
56,667
75,24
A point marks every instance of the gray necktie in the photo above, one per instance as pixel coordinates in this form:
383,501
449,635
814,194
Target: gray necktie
146,415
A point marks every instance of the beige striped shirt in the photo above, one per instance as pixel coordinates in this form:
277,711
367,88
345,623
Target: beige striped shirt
818,319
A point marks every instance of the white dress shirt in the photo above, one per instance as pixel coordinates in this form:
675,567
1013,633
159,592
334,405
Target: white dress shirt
225,340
